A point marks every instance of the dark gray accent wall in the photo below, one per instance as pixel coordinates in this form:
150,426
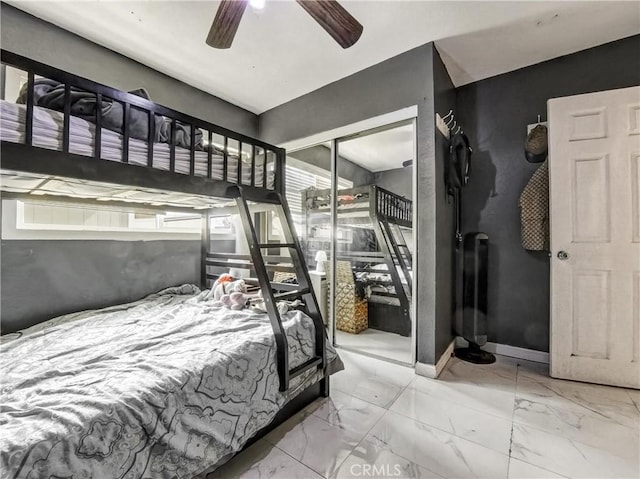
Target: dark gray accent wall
320,156
39,40
397,180
44,279
399,82
396,83
495,113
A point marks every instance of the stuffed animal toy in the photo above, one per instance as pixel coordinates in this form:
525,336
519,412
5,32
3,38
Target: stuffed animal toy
217,290
226,285
236,300
238,286
224,278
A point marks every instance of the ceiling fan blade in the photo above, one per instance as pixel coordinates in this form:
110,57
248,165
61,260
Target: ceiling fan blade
226,23
333,17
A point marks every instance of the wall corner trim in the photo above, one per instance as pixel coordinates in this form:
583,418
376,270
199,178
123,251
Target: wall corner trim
433,371
510,351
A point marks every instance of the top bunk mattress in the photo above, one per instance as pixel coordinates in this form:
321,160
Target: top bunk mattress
167,386
48,126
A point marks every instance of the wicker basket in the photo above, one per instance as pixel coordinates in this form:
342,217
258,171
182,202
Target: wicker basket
351,311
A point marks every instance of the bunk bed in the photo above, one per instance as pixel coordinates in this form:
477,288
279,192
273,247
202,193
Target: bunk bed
381,261
174,384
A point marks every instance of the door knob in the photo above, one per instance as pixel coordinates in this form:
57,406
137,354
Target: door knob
563,255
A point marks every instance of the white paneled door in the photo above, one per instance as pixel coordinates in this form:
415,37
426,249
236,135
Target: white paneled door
594,168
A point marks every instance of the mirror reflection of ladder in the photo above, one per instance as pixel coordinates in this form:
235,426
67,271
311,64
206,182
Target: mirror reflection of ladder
399,248
261,262
396,256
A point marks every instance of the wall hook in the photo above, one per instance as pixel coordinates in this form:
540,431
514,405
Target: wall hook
448,115
451,120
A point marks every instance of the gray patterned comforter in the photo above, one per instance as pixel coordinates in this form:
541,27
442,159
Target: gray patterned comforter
167,386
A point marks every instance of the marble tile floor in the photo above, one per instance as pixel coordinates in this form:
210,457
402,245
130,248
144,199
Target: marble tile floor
506,420
379,343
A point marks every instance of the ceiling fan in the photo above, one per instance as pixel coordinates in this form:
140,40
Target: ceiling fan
331,16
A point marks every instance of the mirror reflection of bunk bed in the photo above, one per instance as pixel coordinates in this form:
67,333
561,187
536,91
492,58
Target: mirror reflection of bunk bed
374,262
134,387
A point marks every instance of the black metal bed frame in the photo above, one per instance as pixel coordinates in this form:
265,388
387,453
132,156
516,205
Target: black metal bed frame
387,211
31,159
77,166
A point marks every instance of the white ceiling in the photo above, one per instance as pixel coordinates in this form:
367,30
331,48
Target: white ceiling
380,151
280,53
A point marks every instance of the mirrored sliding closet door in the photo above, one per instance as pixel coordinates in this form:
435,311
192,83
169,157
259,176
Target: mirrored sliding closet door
308,192
373,242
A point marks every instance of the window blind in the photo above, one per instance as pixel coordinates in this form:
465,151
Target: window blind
299,180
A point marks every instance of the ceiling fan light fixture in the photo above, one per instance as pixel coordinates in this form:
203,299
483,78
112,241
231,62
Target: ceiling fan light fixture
257,4
329,14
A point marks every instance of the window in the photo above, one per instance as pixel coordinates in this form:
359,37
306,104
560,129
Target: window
43,216
37,219
301,176
51,219
222,225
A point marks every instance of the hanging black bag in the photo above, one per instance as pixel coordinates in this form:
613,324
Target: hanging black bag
457,171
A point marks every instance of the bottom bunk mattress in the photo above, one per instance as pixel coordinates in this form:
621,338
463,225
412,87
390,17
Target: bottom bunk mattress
168,386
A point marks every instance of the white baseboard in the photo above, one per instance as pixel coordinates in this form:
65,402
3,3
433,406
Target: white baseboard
426,370
510,351
433,370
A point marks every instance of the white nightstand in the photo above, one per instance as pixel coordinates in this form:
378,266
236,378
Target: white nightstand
319,284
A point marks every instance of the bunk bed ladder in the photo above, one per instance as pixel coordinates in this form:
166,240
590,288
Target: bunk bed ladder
400,250
303,291
385,242
404,248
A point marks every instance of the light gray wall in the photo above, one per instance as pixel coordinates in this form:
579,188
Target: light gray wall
44,279
396,83
495,113
444,100
320,156
31,37
398,181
